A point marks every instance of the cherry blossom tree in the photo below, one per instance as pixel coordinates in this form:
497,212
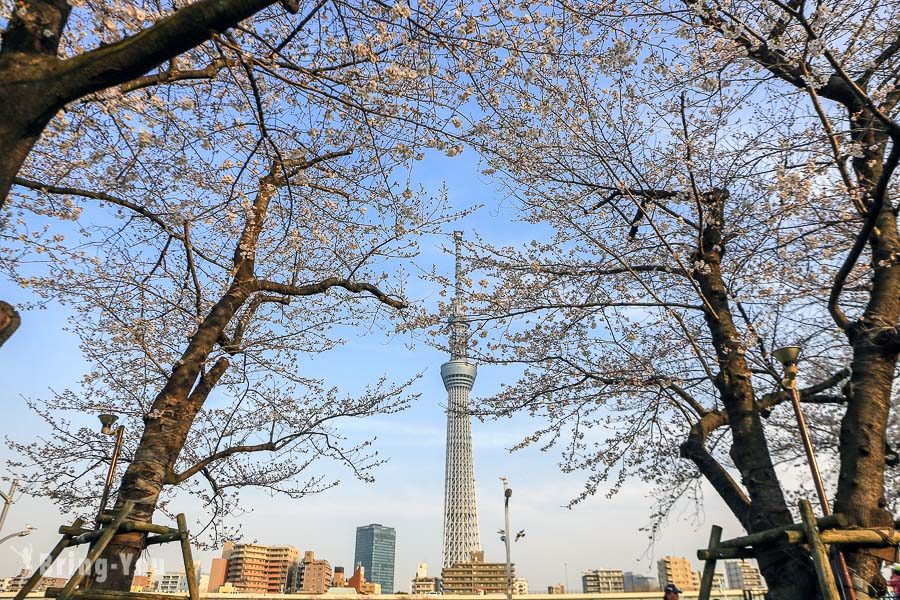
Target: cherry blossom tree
717,180
210,233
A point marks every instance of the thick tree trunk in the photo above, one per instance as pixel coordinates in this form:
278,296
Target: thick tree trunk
788,571
172,414
860,491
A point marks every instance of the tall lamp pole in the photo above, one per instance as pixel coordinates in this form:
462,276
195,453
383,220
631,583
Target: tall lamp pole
788,356
507,493
27,531
107,421
7,501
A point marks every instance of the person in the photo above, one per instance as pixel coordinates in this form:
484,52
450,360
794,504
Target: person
671,592
895,581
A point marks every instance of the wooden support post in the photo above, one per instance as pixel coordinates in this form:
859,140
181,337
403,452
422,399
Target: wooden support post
791,534
45,566
142,527
721,553
94,553
188,558
163,539
709,568
819,553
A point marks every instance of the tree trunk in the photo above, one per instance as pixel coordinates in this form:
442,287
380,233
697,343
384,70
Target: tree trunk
860,492
169,421
788,571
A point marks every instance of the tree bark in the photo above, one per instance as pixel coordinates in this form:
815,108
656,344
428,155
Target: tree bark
860,492
787,570
175,407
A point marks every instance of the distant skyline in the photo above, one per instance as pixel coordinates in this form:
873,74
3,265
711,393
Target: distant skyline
408,492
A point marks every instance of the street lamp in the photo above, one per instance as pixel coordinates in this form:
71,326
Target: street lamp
107,421
27,531
7,500
507,494
788,356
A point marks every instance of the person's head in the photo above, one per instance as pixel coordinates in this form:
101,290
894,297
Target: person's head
671,592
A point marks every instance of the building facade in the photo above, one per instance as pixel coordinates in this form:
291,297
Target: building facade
520,586
461,536
743,576
677,570
421,583
635,582
375,547
358,582
476,576
602,580
312,575
258,569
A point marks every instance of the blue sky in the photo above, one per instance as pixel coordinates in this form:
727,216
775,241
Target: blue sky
408,492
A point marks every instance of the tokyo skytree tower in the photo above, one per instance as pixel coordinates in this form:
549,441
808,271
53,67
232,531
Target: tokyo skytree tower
460,508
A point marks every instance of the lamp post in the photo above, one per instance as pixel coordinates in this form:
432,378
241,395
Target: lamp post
107,421
507,494
7,501
27,531
788,356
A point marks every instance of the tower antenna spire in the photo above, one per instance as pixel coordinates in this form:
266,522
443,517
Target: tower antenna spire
461,535
458,327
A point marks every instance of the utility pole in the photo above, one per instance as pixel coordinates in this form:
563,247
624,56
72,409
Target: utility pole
507,493
7,500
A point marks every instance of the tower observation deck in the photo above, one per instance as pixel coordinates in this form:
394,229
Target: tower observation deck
460,506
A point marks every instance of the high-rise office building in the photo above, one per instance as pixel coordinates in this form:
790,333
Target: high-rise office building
743,576
460,508
375,545
677,570
602,580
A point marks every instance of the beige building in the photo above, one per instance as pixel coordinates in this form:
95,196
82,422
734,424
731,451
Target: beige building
422,583
520,586
602,580
678,570
475,576
743,576
312,575
556,589
257,569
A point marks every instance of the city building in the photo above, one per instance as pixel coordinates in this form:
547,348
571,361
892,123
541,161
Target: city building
337,578
602,580
461,536
719,581
175,582
217,572
375,545
520,586
677,570
15,583
358,582
258,569
556,589
312,575
475,576
743,576
635,582
423,584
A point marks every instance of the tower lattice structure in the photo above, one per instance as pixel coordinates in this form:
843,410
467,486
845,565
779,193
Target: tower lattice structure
460,507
